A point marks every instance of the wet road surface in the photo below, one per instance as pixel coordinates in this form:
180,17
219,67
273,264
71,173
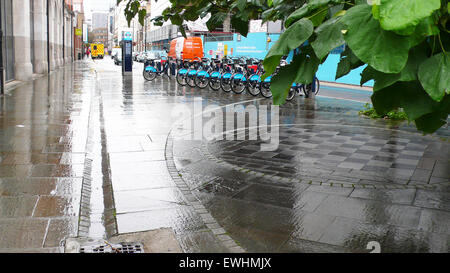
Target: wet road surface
87,152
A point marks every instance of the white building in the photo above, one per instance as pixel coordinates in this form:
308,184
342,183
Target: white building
121,24
99,20
111,17
29,46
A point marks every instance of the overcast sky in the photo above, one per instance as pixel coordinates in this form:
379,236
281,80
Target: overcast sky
97,5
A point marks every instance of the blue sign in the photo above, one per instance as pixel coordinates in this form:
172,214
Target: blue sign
127,36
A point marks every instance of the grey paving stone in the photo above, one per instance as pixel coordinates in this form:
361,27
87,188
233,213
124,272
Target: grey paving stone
309,226
308,200
389,196
361,156
374,212
441,170
350,165
276,196
352,233
421,175
433,199
435,221
379,163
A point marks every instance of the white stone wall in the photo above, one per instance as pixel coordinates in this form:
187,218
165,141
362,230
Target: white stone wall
60,49
23,68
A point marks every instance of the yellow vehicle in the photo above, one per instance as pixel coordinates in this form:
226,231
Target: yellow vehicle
97,51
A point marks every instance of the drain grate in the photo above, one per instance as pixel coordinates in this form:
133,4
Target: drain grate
113,248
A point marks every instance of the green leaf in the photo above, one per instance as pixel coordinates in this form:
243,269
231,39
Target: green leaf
434,75
241,4
281,83
431,122
308,65
369,74
318,17
307,9
401,14
347,63
383,50
292,38
267,15
216,20
298,14
240,25
417,56
302,70
408,95
427,27
142,14
329,36
176,20
424,29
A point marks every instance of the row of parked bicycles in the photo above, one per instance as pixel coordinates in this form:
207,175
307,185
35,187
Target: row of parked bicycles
236,75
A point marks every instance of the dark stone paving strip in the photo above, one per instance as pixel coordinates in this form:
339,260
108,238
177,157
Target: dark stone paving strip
85,202
110,221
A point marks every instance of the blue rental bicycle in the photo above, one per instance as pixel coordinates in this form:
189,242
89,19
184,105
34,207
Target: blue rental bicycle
265,85
228,71
298,88
185,72
239,79
203,75
254,80
157,67
215,75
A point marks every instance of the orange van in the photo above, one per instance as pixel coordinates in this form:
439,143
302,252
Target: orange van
186,48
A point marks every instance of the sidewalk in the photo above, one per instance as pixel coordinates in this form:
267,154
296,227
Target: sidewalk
42,141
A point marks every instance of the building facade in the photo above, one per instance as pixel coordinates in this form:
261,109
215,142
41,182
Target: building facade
100,36
78,45
111,29
99,20
38,36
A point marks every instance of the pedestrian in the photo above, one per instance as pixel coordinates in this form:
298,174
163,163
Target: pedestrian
87,52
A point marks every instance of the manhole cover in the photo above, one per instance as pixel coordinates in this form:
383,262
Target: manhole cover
113,248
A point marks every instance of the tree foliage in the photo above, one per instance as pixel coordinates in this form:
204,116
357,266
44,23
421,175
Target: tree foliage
404,44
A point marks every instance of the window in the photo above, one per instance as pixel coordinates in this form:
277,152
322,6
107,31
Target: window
214,37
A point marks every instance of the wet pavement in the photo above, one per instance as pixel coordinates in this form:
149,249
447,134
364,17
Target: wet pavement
86,152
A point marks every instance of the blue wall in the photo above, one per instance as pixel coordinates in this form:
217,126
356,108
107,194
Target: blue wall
256,46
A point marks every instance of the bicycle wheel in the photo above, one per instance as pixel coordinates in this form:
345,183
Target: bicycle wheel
214,83
181,79
225,82
149,76
202,81
253,86
291,94
191,80
238,85
265,90
317,86
308,88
